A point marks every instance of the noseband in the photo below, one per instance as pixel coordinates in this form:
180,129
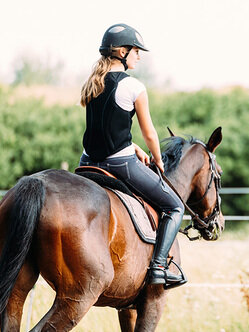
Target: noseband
210,221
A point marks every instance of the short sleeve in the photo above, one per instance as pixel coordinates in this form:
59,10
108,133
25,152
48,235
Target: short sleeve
127,92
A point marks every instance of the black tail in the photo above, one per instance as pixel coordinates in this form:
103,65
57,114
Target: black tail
23,218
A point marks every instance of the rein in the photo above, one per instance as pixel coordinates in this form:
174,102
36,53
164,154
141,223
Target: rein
209,220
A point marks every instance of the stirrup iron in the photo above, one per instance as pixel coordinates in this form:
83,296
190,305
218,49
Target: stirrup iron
176,284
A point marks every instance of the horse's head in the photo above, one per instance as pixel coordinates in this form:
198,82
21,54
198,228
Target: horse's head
197,171
204,198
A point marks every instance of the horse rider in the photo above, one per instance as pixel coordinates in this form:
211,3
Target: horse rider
112,98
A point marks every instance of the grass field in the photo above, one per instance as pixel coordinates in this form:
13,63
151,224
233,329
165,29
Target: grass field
188,309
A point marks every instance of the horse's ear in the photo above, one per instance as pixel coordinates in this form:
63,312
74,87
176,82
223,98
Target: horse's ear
214,140
171,133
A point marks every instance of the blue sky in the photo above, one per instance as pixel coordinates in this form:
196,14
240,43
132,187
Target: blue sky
192,43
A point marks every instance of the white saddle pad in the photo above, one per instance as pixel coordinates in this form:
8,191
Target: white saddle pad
138,216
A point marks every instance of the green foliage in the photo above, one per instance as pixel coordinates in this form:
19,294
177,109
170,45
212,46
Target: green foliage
198,114
30,70
34,137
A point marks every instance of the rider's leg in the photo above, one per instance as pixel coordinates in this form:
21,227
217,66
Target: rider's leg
146,183
169,225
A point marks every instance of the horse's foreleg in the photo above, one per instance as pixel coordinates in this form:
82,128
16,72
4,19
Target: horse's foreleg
11,317
127,319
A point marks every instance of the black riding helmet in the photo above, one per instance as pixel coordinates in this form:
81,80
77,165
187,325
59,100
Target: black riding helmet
119,35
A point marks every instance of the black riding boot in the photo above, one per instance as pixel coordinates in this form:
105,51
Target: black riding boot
169,225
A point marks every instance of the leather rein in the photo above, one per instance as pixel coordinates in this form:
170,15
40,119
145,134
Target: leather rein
203,223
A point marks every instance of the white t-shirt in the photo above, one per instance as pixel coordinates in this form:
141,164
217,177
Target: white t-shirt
129,88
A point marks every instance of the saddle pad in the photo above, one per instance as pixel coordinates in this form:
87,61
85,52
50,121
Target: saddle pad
138,216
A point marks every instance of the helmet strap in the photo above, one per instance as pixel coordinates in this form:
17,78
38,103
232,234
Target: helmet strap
123,60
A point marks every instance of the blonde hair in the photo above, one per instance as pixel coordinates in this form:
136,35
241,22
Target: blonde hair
95,84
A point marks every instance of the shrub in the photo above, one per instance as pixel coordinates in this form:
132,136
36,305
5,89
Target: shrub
34,137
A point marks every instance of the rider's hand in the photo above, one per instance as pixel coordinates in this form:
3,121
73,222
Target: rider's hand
159,164
142,156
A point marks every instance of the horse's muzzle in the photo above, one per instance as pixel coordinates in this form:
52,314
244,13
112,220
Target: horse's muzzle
216,227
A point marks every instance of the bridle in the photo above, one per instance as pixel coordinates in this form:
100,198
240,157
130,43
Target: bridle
209,224
215,176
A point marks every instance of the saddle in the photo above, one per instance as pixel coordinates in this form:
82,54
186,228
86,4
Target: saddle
143,216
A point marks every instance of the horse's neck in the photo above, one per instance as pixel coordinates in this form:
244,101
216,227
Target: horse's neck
183,177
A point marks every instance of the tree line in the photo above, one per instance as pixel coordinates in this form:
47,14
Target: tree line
34,137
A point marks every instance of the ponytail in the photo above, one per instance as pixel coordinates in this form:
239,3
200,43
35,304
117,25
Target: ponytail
95,84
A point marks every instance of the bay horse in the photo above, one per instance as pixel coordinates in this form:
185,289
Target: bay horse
79,237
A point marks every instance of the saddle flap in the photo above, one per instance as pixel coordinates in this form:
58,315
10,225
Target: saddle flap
140,219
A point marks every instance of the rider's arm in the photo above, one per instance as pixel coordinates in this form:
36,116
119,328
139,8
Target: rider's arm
148,129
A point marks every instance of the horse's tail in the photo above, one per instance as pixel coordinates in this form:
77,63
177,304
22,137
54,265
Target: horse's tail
24,214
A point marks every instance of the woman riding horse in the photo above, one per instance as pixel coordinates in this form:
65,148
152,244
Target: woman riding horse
112,98
79,237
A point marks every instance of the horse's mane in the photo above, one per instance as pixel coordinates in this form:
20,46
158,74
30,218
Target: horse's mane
173,149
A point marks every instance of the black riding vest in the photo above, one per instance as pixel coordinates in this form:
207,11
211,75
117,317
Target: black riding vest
107,124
